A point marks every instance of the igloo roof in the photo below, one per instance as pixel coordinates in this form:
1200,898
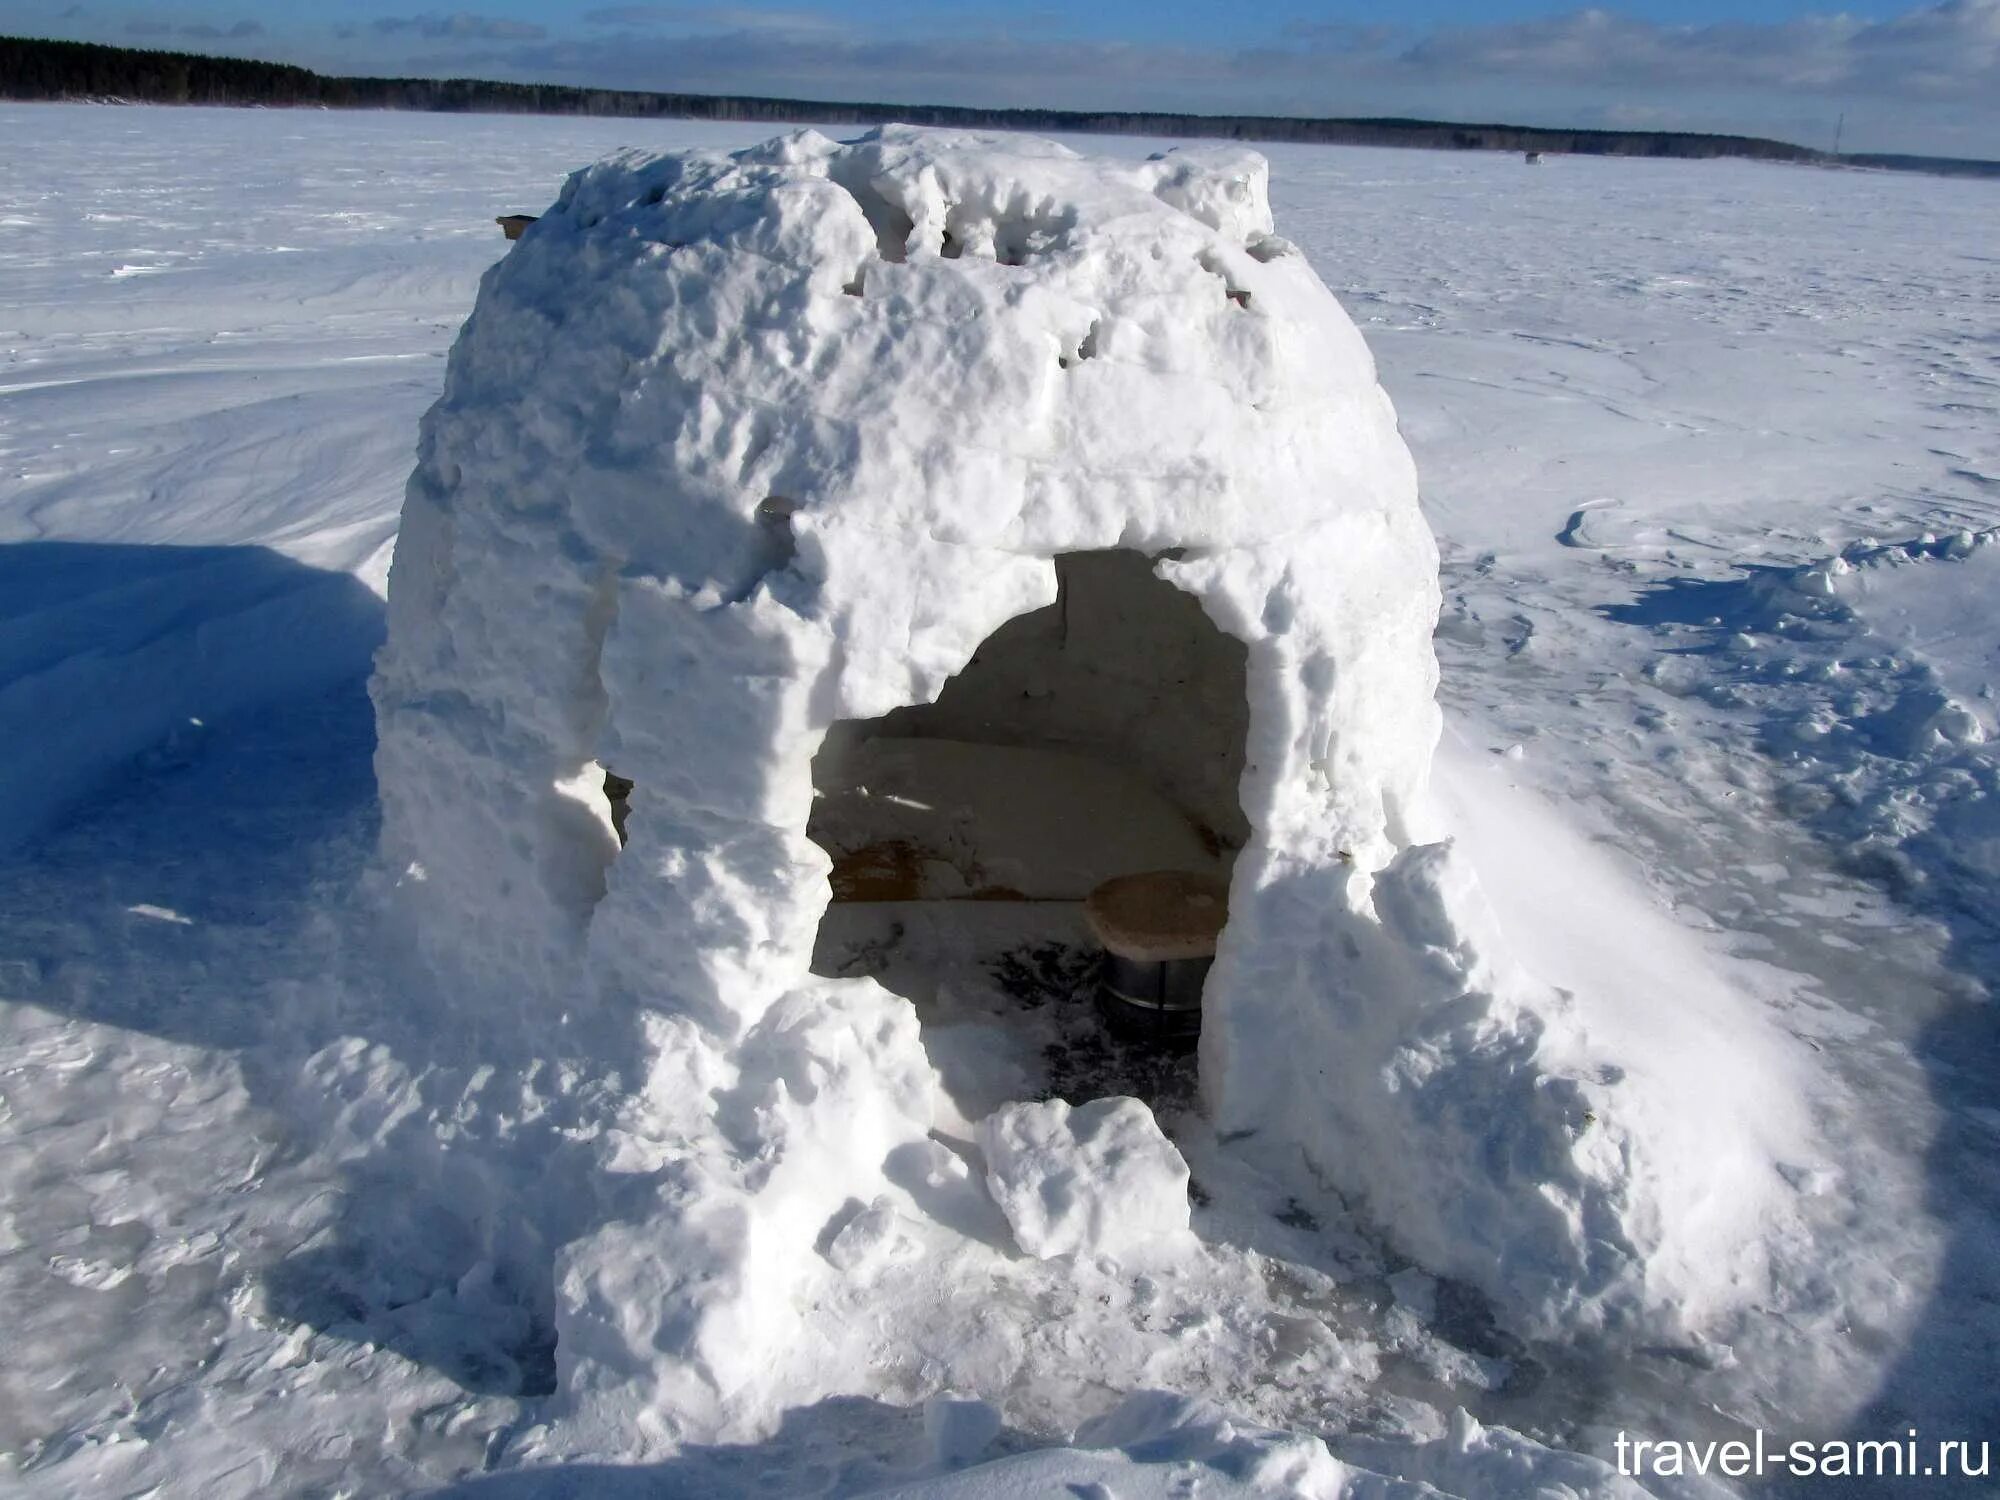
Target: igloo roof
980,339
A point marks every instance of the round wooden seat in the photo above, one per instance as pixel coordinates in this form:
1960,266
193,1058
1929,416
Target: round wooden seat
1158,916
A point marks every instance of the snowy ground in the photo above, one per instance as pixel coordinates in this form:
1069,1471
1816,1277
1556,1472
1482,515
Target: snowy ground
1652,404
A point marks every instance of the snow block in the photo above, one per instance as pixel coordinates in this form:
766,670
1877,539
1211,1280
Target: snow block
1099,1179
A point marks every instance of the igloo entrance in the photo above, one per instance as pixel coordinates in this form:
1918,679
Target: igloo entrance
1098,737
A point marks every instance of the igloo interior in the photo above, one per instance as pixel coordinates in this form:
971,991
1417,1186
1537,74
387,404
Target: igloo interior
1098,736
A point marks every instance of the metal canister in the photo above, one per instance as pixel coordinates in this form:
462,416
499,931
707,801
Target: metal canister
1158,930
1153,998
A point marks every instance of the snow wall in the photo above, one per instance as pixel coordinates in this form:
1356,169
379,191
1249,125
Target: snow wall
737,446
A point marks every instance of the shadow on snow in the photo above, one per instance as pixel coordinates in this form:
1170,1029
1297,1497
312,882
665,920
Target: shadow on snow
188,747
1845,726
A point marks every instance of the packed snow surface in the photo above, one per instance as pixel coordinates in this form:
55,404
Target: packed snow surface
1708,449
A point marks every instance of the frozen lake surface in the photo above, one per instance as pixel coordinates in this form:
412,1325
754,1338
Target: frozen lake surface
1713,455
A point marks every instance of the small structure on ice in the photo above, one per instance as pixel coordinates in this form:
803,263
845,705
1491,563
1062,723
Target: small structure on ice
815,496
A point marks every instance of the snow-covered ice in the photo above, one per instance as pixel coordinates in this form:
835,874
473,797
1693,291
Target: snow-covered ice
1699,442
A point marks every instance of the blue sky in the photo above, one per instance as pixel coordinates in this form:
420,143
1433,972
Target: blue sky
1907,78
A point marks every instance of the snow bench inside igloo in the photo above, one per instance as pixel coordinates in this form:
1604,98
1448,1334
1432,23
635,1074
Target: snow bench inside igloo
922,530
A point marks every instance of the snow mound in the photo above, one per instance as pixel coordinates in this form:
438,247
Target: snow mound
1155,1445
1871,678
737,448
1932,613
1099,1179
1158,1446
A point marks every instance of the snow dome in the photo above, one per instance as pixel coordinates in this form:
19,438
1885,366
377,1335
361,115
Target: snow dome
950,520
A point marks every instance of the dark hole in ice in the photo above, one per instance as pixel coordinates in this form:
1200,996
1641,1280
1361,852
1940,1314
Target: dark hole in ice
774,519
1086,348
618,792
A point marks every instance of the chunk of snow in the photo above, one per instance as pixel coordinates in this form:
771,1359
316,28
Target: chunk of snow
1099,1179
872,1238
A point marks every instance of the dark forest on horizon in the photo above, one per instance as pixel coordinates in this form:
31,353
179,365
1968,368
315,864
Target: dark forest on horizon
46,71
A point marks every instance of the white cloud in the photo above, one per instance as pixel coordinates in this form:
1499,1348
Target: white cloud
712,17
463,26
1947,51
1951,50
240,31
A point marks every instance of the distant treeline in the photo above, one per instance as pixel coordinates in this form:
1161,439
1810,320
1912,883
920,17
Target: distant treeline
49,70
1940,166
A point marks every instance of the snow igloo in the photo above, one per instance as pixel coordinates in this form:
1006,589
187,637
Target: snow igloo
947,518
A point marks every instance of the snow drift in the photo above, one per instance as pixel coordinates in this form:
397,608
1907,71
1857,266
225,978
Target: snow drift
737,447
